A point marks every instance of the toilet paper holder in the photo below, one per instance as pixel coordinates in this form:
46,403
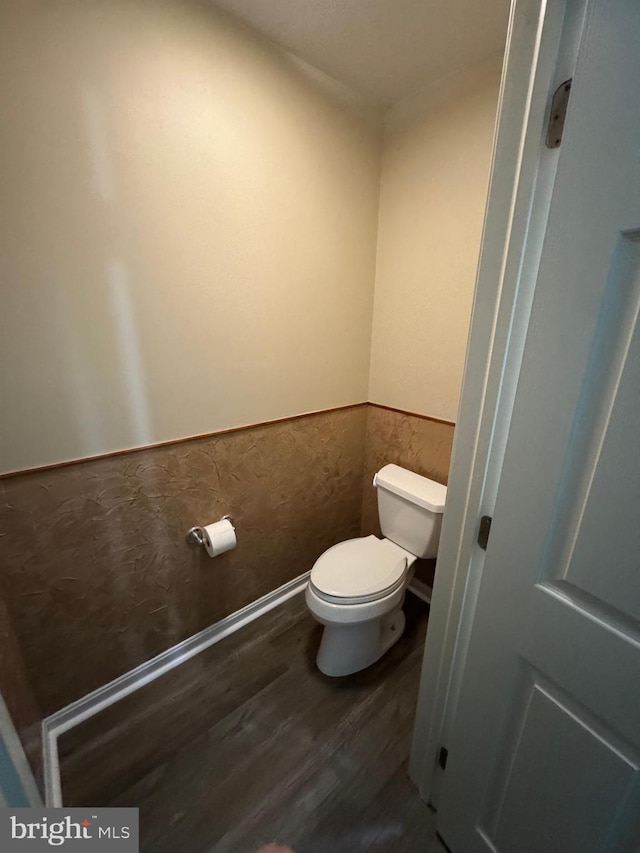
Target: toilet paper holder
195,533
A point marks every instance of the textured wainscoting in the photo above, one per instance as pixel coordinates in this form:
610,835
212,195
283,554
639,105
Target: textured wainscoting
414,442
97,575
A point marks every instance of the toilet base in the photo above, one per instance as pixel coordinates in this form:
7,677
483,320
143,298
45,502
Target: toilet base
348,648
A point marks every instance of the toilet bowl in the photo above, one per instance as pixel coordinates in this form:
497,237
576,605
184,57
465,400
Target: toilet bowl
356,591
357,587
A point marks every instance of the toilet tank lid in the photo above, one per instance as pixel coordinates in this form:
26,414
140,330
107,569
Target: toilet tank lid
414,487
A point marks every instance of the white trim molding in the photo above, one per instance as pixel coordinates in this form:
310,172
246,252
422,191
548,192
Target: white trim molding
421,589
96,701
18,786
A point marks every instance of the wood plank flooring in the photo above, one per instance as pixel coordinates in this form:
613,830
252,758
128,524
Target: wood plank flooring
248,743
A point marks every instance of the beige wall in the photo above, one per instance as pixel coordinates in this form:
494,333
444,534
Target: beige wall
188,229
433,190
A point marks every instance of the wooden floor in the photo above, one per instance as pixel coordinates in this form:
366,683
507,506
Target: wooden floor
248,743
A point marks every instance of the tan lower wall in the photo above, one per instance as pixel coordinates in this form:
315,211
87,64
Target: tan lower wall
414,442
97,575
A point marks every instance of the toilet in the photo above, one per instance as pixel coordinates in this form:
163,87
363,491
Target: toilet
357,587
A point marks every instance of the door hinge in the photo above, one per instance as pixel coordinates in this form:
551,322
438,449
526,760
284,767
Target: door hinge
442,757
483,531
557,114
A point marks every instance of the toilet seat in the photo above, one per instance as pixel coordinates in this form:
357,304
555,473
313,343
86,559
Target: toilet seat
359,570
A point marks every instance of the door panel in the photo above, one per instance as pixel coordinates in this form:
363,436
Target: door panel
545,745
605,439
550,782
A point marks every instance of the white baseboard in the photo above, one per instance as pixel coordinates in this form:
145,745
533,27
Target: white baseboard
96,701
421,589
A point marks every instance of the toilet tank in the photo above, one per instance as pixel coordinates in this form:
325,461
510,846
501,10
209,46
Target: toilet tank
410,509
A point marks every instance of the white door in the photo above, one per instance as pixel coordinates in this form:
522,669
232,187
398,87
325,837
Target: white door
545,745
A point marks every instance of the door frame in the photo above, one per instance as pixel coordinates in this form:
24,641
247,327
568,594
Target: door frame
540,53
18,788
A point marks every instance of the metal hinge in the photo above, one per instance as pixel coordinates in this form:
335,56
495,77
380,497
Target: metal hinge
557,115
483,531
442,757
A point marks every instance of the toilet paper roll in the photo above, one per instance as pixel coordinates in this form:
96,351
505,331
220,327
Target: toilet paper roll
218,537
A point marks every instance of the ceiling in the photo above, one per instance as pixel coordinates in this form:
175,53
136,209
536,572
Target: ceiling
384,49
